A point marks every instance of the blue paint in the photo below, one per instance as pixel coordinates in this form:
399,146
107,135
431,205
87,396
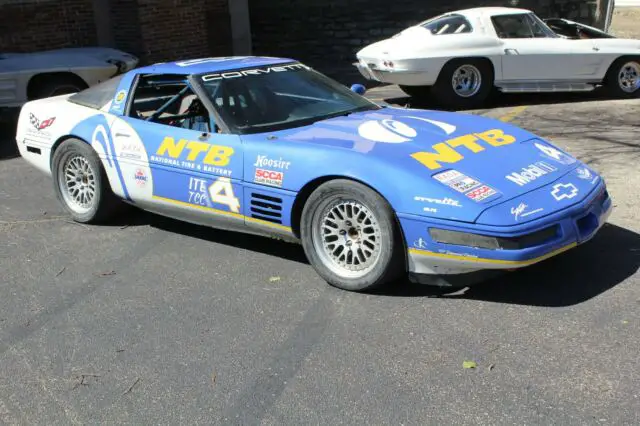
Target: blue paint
528,183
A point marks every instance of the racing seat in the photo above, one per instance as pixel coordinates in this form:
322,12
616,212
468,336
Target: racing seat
197,115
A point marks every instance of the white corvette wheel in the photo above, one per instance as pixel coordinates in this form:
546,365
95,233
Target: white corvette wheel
623,78
464,83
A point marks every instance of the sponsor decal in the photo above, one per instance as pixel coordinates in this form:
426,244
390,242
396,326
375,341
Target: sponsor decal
141,178
120,96
220,191
443,201
131,150
555,154
521,211
530,173
586,174
255,71
481,193
456,180
563,191
430,210
268,177
38,124
264,161
420,243
394,131
194,155
446,152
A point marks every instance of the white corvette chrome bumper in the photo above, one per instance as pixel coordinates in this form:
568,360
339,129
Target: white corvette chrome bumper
397,76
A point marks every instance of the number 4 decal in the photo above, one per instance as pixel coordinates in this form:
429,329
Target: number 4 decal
221,192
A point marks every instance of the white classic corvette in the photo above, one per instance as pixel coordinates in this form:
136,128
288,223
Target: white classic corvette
459,57
36,75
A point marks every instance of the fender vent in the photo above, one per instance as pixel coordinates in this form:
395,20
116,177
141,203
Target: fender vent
265,207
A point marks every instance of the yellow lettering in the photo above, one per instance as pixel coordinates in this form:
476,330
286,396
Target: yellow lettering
195,148
444,154
169,146
218,155
496,137
468,141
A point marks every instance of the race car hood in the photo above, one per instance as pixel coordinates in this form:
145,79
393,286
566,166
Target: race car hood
476,161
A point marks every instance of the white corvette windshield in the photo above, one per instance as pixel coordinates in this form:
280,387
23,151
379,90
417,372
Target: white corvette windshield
278,97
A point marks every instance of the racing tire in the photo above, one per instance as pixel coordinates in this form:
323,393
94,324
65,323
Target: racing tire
56,86
81,184
351,237
417,92
623,78
464,83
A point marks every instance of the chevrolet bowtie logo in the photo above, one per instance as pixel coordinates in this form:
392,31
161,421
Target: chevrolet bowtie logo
563,191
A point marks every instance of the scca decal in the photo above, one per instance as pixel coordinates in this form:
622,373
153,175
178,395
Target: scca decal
213,155
446,152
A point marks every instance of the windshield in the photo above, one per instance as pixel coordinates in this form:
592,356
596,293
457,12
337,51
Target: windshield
278,97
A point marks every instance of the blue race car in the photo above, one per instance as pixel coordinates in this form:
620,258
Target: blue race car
270,146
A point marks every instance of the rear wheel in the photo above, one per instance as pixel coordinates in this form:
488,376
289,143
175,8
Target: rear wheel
49,86
350,236
464,83
623,78
81,183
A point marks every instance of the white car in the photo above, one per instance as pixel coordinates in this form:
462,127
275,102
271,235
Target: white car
460,57
29,76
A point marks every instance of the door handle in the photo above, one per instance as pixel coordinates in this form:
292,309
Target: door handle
124,135
511,51
596,48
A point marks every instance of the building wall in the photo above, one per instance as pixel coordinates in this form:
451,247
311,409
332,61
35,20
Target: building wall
326,34
154,30
29,25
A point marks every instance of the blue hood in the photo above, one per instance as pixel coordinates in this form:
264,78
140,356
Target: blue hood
408,147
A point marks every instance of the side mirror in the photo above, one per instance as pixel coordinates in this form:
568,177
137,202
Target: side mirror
359,89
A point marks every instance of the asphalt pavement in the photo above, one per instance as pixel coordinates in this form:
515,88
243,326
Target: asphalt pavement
154,321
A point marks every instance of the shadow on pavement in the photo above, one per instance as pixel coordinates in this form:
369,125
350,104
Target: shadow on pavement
256,243
395,96
8,146
568,279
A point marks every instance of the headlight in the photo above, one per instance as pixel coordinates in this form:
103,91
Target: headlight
467,239
463,239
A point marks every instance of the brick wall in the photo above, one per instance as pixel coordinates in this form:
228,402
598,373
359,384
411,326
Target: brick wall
176,29
326,34
154,30
31,25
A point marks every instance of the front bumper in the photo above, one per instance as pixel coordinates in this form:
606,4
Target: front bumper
571,226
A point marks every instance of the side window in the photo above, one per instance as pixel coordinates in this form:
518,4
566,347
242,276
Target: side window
512,26
169,100
450,24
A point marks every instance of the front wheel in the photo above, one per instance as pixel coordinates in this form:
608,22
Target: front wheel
351,237
81,183
623,78
464,83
